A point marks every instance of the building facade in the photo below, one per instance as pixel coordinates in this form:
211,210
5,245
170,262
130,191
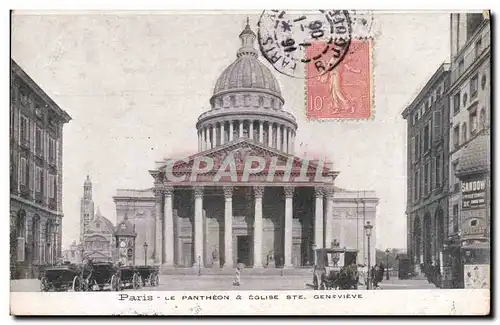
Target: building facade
470,96
266,219
97,239
36,137
427,171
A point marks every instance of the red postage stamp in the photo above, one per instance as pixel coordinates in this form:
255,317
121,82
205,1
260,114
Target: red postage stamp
345,92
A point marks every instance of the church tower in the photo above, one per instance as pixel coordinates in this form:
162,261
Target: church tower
86,208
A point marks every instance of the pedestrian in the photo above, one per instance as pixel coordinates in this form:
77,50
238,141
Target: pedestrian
239,268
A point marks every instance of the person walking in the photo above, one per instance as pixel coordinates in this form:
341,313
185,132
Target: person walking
237,278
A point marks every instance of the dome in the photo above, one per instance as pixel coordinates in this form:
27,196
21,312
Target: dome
247,72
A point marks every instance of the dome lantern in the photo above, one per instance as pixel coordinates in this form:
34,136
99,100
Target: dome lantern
247,37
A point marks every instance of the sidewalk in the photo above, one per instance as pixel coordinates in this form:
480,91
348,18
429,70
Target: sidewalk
395,283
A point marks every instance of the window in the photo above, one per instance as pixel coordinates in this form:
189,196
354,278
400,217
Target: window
438,93
456,136
52,149
473,121
439,169
474,20
426,179
426,106
437,124
24,130
417,146
415,187
456,103
38,140
456,181
38,179
413,149
24,171
460,67
427,136
455,218
473,86
482,118
464,132
478,48
52,186
417,181
97,225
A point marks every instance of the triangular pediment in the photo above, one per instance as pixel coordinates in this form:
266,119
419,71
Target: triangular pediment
243,157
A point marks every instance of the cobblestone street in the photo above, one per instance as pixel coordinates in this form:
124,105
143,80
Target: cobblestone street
222,283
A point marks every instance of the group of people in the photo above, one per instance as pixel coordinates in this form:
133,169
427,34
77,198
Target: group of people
377,274
432,272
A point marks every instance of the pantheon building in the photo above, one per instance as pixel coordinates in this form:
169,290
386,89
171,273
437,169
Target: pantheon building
211,222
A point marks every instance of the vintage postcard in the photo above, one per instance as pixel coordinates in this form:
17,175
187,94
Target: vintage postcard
272,162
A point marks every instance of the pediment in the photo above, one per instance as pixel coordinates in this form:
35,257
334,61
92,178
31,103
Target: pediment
244,157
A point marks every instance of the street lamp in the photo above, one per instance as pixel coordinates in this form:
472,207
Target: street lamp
387,264
368,232
145,253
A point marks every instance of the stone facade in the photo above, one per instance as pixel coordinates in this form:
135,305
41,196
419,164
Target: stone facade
272,218
36,134
427,164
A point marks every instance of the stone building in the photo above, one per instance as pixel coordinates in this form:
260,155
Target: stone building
269,218
427,170
97,240
470,96
36,137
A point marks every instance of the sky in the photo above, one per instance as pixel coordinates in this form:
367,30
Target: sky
135,84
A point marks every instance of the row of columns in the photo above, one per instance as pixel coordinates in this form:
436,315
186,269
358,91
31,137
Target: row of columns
168,232
212,136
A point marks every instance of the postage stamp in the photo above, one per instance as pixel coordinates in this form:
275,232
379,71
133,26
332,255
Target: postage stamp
202,185
344,92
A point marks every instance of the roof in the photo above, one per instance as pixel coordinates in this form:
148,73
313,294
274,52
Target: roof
475,157
16,69
125,228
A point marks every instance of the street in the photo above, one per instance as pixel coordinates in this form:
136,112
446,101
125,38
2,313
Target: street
222,283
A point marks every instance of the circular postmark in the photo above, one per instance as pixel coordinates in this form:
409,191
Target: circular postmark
318,40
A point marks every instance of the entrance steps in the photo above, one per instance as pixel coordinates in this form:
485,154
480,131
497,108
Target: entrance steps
231,271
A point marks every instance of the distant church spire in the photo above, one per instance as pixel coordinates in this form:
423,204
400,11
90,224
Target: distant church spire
87,188
247,37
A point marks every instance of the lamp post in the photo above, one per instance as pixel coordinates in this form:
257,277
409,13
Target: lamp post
387,264
145,253
81,250
368,232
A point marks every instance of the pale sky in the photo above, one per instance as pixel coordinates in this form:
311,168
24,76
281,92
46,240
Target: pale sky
136,84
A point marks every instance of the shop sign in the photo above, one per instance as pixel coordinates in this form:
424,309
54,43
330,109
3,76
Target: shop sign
473,194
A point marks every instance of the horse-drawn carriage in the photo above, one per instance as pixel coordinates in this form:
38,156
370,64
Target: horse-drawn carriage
66,277
129,277
329,275
105,276
148,275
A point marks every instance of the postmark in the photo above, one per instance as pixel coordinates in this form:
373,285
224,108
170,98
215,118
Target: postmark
344,92
285,38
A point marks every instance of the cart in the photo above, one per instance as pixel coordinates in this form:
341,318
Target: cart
105,276
129,277
148,275
68,277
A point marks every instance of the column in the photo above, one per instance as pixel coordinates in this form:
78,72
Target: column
261,132
168,229
258,191
250,130
288,225
293,143
204,138
241,129
329,217
158,224
289,138
199,140
278,137
228,226
269,134
211,137
198,226
231,126
318,218
222,132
